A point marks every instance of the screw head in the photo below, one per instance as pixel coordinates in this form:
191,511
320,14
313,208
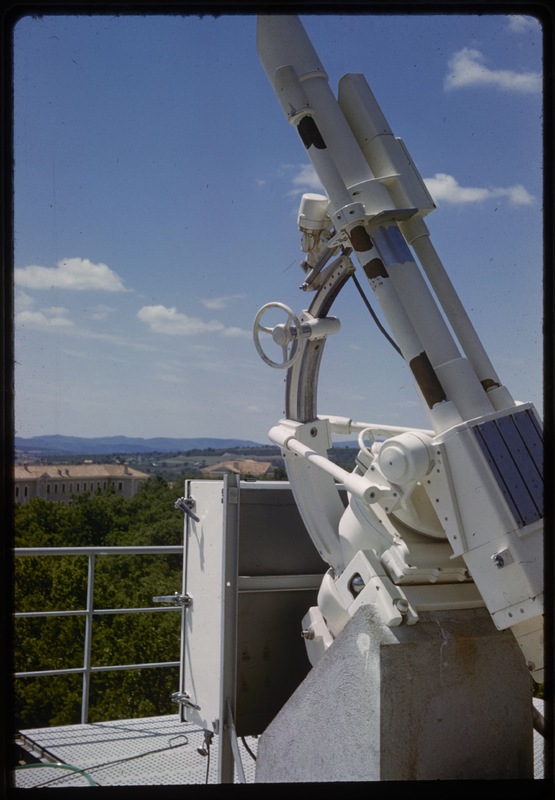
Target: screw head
356,584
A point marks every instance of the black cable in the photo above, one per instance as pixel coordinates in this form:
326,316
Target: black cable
207,762
374,317
208,742
205,751
247,748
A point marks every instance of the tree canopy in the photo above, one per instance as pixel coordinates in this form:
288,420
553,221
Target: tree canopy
55,583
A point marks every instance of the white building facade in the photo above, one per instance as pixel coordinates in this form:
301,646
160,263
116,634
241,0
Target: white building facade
60,482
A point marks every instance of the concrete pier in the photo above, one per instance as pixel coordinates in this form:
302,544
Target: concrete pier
446,699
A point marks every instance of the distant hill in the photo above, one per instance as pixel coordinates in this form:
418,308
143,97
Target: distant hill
77,445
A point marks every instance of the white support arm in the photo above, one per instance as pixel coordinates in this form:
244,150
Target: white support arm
344,426
355,484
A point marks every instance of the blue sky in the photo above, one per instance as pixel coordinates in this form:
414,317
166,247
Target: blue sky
157,184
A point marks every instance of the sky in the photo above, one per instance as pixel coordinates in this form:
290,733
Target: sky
157,184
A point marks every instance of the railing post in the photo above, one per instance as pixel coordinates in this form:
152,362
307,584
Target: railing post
88,641
86,670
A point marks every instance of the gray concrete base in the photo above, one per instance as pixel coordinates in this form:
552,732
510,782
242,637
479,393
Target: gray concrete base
448,698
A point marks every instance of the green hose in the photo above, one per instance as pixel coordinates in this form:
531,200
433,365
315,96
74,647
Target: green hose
60,766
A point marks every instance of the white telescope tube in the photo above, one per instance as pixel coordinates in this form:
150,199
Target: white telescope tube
282,42
389,160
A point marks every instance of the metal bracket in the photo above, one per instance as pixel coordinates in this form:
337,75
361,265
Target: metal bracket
184,699
186,504
176,599
502,558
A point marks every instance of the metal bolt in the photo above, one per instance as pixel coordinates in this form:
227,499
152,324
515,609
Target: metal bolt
307,634
498,560
357,584
401,605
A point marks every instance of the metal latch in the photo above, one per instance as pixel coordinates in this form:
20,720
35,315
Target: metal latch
186,504
176,599
184,699
502,559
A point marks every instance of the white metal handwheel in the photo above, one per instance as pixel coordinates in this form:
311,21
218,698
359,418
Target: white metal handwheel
286,335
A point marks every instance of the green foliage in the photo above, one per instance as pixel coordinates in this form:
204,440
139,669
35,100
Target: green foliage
49,700
57,583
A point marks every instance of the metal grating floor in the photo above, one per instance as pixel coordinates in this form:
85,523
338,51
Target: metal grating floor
136,752
142,752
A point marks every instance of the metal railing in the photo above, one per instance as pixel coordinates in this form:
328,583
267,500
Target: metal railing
89,611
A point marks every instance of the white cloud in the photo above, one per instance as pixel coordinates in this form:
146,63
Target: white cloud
217,303
161,319
23,301
169,378
446,188
46,319
468,68
76,274
113,340
517,23
73,353
306,180
101,312
516,195
237,332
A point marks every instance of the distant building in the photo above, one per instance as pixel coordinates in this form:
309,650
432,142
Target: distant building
60,482
246,468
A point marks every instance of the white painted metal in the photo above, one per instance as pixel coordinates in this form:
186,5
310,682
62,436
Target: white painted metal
472,486
251,572
292,334
281,41
389,160
203,580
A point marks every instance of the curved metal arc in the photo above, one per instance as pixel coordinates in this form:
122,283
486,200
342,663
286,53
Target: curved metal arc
316,493
302,376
